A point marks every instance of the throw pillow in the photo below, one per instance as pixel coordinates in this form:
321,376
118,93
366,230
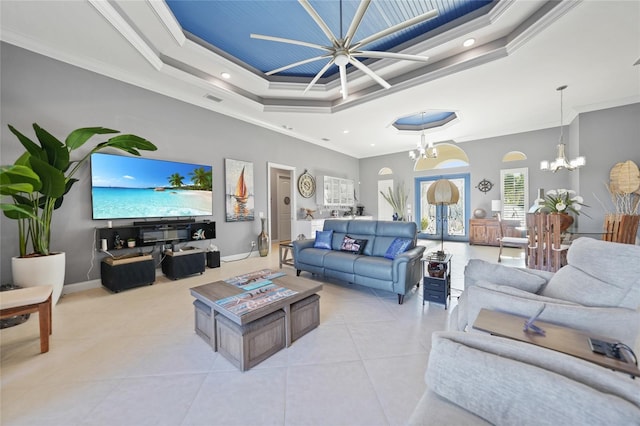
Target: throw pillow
398,246
323,239
353,245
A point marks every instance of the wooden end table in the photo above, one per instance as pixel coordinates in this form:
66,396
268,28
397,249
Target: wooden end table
286,249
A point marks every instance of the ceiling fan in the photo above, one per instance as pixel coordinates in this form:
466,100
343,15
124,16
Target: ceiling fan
344,50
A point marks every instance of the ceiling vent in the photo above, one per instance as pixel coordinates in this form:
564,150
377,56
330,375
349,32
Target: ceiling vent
212,98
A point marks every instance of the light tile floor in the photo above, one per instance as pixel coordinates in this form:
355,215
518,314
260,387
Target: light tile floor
133,358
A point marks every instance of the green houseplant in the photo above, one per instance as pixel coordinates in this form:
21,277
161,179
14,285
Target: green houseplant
44,173
35,186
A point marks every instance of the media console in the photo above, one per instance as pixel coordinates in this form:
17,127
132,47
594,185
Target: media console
157,232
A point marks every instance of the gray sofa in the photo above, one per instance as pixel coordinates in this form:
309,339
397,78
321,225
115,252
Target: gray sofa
597,291
478,379
370,268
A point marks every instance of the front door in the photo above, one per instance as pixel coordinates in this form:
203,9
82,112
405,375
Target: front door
442,221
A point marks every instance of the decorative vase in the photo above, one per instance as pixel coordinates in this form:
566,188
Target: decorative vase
566,220
263,239
40,270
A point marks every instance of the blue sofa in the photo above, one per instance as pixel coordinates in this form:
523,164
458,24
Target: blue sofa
370,268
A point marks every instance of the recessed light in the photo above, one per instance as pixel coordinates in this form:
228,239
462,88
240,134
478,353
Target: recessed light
373,144
226,75
469,42
345,131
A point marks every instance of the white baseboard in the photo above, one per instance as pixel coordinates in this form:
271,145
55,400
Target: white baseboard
97,283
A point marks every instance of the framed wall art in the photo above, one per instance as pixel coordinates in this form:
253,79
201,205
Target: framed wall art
239,190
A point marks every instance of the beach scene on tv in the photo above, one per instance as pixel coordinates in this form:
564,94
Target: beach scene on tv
135,187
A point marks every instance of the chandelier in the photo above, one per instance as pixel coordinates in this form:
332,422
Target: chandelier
423,150
561,161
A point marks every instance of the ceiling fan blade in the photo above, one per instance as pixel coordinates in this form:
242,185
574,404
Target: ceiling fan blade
295,64
362,67
343,81
388,55
317,77
318,20
355,23
398,27
289,41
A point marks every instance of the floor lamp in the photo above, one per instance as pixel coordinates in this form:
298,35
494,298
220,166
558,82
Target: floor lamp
442,192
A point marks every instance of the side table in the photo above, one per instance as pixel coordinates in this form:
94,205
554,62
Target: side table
437,279
286,249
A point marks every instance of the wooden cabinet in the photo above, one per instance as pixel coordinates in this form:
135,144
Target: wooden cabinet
335,192
486,231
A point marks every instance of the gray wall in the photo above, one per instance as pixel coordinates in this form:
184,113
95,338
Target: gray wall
61,98
604,137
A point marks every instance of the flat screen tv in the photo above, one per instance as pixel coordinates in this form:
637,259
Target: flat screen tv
135,187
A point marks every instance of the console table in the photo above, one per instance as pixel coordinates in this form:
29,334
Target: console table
486,231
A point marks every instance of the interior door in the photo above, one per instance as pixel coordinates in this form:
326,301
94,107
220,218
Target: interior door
284,207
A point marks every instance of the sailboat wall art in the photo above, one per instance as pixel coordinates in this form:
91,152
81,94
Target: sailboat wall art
239,190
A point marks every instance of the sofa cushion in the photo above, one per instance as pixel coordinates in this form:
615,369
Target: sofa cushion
599,273
477,372
398,246
323,239
373,267
339,261
312,256
353,245
477,269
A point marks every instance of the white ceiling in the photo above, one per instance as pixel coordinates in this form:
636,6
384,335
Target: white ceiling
504,84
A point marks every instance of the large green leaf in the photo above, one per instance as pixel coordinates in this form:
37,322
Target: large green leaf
53,180
31,147
17,178
128,143
57,153
17,211
78,137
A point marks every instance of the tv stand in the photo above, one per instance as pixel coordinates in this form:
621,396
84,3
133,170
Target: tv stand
158,232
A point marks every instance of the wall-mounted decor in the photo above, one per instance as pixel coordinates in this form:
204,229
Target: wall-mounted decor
484,186
239,190
306,185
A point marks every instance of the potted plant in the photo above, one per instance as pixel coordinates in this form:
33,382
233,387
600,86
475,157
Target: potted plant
563,201
131,242
397,200
36,184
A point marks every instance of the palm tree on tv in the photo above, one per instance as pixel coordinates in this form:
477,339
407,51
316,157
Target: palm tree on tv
201,178
176,180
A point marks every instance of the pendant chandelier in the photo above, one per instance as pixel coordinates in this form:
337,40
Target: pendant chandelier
561,161
423,150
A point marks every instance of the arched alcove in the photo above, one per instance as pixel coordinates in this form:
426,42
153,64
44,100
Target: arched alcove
449,156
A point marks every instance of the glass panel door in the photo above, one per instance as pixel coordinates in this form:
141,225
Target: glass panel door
435,220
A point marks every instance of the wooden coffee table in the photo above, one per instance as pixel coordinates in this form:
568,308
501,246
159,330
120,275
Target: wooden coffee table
558,338
210,293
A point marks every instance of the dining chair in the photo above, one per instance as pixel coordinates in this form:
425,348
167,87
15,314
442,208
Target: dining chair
509,241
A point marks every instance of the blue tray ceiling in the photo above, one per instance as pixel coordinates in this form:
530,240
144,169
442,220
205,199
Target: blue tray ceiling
226,24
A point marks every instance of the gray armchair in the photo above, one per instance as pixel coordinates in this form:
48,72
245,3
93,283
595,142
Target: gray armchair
597,291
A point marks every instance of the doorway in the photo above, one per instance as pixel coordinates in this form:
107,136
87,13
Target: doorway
282,202
439,221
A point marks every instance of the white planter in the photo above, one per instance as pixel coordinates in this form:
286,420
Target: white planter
41,270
